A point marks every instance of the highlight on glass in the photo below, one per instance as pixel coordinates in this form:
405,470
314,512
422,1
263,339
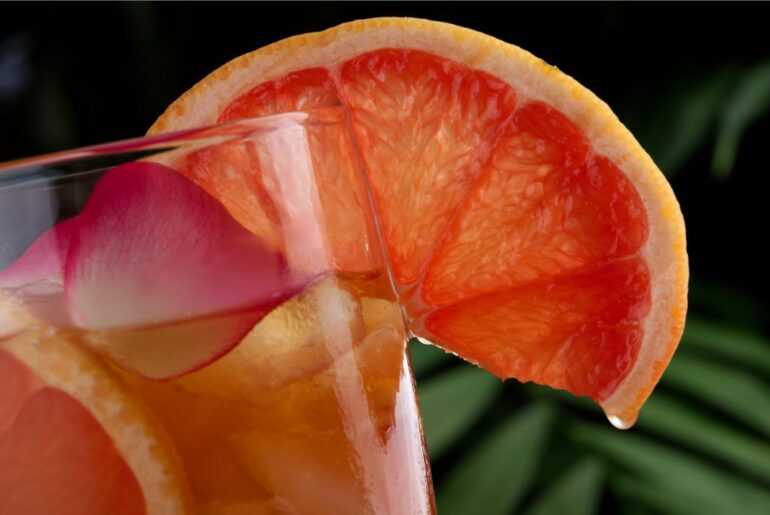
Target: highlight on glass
201,345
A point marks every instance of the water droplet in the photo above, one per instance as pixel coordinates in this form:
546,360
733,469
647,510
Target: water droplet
622,423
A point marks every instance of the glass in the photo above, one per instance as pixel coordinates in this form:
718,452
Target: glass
232,278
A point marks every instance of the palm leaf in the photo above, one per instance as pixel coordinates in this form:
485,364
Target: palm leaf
730,389
426,358
749,100
673,419
577,492
494,476
452,401
739,346
675,473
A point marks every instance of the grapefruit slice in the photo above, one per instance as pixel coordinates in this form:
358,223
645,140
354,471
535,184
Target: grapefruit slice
287,184
70,431
526,228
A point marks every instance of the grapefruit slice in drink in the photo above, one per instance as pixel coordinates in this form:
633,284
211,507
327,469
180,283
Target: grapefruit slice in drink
526,229
62,410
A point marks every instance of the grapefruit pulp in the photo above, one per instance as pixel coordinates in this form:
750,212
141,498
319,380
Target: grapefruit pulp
526,229
61,410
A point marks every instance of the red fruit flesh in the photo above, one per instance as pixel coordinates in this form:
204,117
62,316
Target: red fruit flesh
426,127
18,385
260,194
484,195
51,444
298,91
544,205
579,331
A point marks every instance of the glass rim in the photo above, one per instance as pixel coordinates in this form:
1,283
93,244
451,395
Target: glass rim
211,134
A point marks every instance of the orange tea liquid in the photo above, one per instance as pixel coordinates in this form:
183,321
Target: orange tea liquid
314,412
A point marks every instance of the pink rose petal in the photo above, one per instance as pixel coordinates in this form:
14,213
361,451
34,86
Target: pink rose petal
35,280
153,247
158,267
171,350
165,274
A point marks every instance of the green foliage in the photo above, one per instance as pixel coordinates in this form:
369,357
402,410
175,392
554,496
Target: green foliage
576,492
692,110
702,442
748,101
732,307
701,445
742,347
674,472
451,402
494,475
684,118
667,417
426,358
731,390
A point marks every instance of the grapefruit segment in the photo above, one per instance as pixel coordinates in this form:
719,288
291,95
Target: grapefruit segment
580,331
298,91
544,205
266,181
491,172
230,173
348,222
65,440
96,448
425,125
18,385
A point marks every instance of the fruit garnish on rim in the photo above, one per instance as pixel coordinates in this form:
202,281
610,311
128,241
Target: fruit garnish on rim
221,326
526,229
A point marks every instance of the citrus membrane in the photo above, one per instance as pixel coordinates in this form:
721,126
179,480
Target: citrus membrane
499,182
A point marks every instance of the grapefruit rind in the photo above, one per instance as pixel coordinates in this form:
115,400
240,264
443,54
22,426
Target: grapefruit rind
137,437
533,79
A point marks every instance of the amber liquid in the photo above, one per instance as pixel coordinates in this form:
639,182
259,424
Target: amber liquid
314,412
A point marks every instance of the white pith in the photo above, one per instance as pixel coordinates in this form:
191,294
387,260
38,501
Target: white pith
533,79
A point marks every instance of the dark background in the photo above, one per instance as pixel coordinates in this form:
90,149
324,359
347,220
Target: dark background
692,81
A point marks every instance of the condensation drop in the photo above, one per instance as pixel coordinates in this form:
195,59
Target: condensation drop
622,423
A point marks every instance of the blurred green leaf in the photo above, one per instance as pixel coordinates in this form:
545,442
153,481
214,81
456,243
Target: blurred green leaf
542,392
452,401
661,500
734,391
689,123
629,508
492,477
675,120
729,303
673,419
748,101
425,357
576,492
740,346
678,476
